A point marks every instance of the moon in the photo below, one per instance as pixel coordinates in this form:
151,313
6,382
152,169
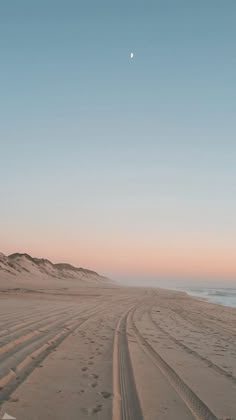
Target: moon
131,55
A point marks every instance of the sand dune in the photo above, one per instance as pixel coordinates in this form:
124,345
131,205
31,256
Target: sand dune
116,353
23,271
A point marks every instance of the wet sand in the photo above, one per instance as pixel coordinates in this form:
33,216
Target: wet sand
116,353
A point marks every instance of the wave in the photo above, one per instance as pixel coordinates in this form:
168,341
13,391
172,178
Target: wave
222,296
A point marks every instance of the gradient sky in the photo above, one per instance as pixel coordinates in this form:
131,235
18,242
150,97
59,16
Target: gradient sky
124,166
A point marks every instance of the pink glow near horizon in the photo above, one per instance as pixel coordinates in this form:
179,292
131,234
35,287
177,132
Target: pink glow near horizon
187,259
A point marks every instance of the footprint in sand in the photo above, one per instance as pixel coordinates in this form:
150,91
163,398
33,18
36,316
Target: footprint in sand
97,408
84,369
106,394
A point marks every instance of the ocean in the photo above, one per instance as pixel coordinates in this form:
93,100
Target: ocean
222,296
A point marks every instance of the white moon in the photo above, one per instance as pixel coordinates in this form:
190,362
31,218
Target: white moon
131,55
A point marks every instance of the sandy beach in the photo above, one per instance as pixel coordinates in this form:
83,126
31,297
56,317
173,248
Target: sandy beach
115,353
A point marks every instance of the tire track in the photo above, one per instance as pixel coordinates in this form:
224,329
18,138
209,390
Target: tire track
20,341
35,353
126,404
36,315
198,408
205,360
15,330
23,340
38,321
208,328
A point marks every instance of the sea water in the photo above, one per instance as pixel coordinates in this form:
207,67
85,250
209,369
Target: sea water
222,296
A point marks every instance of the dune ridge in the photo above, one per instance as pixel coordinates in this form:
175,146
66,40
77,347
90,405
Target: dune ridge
18,268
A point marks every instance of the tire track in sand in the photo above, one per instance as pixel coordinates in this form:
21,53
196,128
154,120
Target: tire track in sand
198,408
126,404
14,377
189,350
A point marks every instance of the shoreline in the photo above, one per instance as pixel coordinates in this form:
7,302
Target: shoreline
226,300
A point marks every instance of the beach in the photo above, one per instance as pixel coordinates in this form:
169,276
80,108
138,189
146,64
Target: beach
115,353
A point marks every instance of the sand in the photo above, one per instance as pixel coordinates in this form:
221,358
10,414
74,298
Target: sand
115,353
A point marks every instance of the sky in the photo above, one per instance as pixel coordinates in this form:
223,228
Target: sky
126,166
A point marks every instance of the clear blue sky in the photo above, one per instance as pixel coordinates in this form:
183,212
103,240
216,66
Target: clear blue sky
105,159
